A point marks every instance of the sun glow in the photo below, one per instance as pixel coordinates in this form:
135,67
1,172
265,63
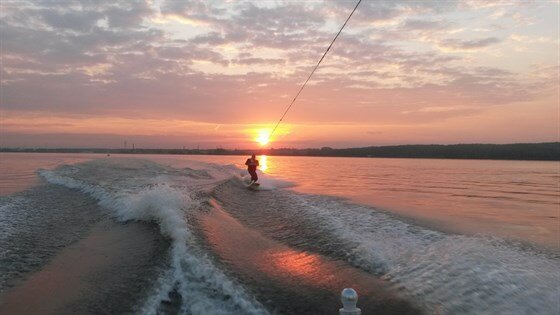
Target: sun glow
263,137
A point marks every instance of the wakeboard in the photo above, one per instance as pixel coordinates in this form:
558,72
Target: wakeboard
253,186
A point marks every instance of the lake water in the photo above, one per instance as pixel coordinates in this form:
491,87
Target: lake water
449,236
512,199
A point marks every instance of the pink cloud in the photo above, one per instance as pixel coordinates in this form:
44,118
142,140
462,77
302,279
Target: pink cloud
246,60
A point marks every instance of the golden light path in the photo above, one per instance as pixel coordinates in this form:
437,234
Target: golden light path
263,164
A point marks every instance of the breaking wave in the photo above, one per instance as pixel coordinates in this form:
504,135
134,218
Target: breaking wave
203,287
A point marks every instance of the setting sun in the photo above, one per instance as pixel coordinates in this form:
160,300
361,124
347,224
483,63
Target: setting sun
263,137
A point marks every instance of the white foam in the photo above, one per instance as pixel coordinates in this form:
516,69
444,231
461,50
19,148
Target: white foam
268,182
204,287
452,274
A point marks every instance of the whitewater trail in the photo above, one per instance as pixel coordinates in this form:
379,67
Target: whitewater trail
142,191
438,271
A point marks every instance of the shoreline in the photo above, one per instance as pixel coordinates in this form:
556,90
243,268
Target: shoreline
542,151
87,276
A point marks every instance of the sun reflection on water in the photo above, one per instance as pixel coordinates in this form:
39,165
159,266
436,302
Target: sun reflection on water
263,163
295,263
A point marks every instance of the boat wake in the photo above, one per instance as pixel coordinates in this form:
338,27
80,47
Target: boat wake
437,271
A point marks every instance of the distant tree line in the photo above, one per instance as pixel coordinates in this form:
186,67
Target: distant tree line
549,151
521,151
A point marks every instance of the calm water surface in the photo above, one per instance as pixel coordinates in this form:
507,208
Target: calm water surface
19,170
512,199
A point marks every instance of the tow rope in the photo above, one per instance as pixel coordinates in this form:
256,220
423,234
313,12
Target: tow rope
314,69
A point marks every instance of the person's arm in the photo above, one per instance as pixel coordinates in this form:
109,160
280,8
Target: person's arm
247,162
256,162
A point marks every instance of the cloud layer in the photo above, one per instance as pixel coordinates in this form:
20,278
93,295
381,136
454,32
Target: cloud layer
398,63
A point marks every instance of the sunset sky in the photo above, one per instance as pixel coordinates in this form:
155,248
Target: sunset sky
173,74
